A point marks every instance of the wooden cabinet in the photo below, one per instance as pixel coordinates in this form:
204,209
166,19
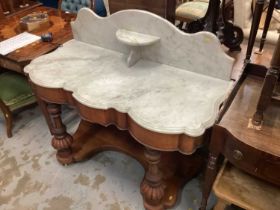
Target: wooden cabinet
253,150
163,8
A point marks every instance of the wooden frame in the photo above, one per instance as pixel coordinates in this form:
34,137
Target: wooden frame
163,8
157,155
2,16
8,118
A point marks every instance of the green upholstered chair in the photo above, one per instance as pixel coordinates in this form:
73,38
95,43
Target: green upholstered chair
15,93
191,10
73,6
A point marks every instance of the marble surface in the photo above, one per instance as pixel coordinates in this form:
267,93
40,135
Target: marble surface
156,94
200,52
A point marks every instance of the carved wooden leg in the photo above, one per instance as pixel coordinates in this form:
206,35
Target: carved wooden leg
152,187
43,106
62,140
210,176
267,22
266,94
8,118
254,28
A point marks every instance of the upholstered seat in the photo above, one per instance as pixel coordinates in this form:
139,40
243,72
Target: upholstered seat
15,93
73,6
192,10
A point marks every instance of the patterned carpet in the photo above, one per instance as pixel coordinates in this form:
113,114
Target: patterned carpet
32,179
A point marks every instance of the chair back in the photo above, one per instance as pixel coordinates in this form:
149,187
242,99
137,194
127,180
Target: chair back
163,8
73,6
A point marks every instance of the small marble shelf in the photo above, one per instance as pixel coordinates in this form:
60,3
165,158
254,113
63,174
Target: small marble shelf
135,39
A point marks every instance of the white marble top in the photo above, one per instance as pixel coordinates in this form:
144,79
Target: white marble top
157,95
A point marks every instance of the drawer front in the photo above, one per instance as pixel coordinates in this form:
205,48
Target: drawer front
242,155
269,169
251,160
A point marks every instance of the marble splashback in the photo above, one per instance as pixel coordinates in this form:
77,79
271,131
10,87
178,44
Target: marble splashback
200,53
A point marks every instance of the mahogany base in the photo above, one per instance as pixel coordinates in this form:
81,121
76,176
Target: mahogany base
177,169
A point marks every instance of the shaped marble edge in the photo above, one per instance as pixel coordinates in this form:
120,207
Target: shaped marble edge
161,128
200,53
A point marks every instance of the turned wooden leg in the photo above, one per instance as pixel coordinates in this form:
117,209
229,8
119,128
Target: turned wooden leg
267,22
270,82
221,205
8,118
152,187
62,140
43,106
266,94
254,28
210,176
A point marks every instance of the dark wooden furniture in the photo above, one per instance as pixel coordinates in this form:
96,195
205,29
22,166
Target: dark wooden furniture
270,82
255,26
10,27
2,16
256,152
215,21
11,7
163,8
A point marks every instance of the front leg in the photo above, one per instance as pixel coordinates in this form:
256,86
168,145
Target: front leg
61,141
152,187
210,176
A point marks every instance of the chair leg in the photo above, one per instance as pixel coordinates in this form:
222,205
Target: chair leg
8,118
180,25
221,205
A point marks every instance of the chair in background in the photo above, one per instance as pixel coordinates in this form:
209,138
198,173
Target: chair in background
15,93
73,6
190,11
2,16
165,9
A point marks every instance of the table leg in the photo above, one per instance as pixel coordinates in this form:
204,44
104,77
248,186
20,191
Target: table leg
152,187
210,175
270,82
267,22
61,141
254,28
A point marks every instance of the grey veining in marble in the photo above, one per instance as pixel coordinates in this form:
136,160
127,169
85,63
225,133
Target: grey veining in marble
200,52
159,96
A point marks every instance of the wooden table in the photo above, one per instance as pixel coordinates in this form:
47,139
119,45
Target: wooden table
60,28
155,99
255,151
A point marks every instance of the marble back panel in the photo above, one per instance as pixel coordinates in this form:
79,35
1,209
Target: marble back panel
200,53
